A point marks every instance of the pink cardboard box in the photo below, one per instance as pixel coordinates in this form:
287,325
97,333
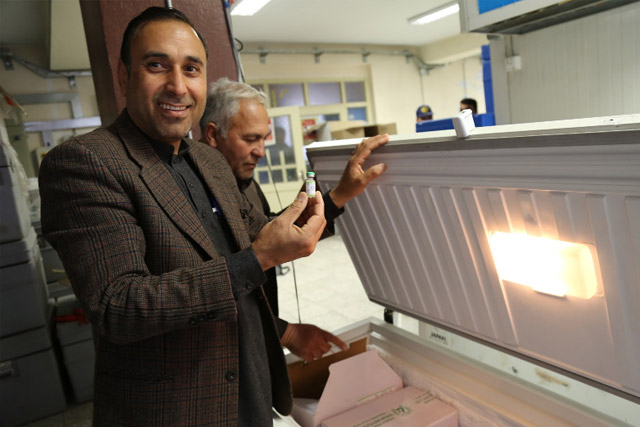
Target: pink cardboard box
408,407
363,390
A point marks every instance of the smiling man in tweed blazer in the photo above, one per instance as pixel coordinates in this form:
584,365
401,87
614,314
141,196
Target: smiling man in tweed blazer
156,240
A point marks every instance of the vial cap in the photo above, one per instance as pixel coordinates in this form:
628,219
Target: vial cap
311,174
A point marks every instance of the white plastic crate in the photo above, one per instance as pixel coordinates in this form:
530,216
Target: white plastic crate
30,386
15,214
23,291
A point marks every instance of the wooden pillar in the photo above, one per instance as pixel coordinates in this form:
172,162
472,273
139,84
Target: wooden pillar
104,25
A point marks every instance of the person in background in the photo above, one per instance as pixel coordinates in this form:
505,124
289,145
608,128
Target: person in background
235,121
165,255
470,104
424,113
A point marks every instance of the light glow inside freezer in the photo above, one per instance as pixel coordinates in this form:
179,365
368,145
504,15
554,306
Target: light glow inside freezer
545,265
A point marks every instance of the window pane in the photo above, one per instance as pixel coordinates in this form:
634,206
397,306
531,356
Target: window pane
289,157
287,95
263,177
292,175
314,119
357,113
281,153
282,130
277,175
354,91
274,156
324,93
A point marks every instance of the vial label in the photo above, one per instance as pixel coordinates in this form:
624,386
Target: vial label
311,187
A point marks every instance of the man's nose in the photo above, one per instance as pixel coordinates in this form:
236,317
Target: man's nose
259,150
176,83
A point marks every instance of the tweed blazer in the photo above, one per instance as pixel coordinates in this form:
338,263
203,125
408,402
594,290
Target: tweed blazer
149,279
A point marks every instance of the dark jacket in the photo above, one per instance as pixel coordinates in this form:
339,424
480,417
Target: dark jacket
149,279
256,197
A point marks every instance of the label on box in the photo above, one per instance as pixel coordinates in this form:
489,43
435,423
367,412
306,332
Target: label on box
408,407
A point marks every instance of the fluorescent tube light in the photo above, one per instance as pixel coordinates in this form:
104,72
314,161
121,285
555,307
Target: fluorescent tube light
549,266
435,14
248,7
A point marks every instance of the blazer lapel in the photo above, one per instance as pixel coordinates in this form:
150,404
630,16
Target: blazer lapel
161,184
218,177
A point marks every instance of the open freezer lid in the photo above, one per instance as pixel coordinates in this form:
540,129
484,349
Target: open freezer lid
420,235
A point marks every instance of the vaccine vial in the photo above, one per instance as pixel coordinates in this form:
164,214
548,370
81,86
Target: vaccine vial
310,184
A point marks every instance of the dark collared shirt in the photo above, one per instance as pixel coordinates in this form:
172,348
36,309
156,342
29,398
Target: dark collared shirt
255,401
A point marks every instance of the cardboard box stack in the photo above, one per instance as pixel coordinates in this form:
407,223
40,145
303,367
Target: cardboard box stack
360,389
30,386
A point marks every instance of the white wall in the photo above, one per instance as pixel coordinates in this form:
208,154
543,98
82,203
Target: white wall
68,44
588,67
395,83
445,87
460,77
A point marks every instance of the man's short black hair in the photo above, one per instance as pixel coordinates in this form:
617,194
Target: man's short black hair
151,14
471,103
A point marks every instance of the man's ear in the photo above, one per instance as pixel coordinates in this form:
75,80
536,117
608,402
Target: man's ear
122,78
210,133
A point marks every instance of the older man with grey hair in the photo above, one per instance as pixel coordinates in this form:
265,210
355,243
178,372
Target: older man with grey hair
235,121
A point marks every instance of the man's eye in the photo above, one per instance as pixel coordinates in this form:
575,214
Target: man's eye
191,68
154,65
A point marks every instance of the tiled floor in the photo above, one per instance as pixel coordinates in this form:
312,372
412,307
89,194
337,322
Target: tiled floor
330,295
329,290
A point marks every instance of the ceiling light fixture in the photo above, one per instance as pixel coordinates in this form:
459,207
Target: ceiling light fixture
248,7
435,14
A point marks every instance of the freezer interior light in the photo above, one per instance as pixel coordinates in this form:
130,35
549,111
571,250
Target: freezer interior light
549,266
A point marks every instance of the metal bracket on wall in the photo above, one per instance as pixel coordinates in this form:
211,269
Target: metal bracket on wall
52,98
263,56
46,128
8,58
317,53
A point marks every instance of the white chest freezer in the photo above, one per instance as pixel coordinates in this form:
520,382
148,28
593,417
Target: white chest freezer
519,249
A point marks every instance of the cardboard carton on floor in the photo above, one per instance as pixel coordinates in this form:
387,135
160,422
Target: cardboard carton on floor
362,390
